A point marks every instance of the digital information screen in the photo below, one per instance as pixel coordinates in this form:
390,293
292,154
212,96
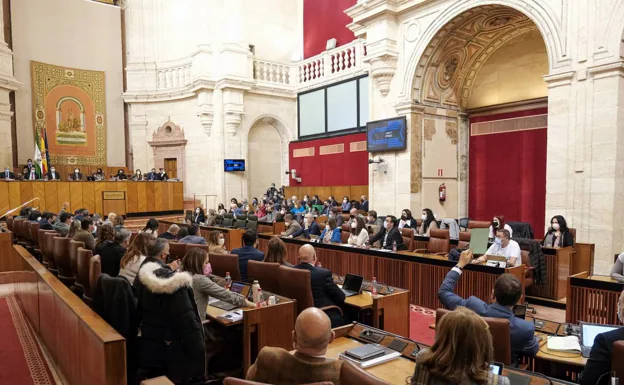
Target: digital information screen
234,164
386,135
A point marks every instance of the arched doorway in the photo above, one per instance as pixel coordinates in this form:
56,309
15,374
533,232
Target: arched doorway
480,80
264,155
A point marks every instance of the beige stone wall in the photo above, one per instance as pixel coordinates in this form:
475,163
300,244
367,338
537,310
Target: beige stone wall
264,158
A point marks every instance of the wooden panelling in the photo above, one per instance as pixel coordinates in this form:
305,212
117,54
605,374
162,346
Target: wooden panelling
593,299
75,193
178,196
38,191
142,197
5,203
557,272
341,191
51,197
157,197
358,191
8,261
150,197
26,191
97,197
583,258
14,194
88,196
62,192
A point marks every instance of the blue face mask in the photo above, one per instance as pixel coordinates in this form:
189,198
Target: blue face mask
498,241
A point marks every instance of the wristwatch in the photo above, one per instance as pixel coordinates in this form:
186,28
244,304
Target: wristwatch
459,267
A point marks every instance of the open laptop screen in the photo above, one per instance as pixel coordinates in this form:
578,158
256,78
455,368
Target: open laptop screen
590,331
353,283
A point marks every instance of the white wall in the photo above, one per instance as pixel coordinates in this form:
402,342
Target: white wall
74,33
272,26
264,158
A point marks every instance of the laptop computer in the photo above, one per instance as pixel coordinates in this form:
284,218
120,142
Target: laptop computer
479,241
588,334
241,288
352,285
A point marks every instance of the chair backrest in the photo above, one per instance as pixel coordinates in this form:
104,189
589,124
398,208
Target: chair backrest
573,232
223,263
499,329
478,224
33,230
617,359
464,239
95,270
463,223
252,222
26,230
439,241
194,245
238,381
177,250
61,257
219,219
73,255
17,225
83,262
344,235
228,219
346,227
353,375
409,242
296,284
240,221
10,224
407,232
41,236
48,239
266,273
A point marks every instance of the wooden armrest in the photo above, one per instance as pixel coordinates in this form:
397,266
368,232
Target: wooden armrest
420,251
441,253
325,308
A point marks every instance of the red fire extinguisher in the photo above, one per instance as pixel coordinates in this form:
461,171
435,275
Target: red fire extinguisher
442,192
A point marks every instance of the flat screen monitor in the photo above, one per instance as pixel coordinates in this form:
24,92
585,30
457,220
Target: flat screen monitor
386,135
234,164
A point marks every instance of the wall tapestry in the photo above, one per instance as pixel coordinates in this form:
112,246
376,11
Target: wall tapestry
70,105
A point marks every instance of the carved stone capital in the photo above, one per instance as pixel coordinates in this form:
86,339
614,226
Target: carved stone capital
382,71
206,117
233,121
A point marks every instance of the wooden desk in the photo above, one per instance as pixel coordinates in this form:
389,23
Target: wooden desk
141,197
233,237
593,299
265,326
270,227
557,270
583,259
422,274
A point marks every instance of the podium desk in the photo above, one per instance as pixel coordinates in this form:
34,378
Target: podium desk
593,298
275,228
557,273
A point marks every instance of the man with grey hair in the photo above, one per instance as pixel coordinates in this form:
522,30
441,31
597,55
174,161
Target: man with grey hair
599,362
157,252
310,227
353,214
171,233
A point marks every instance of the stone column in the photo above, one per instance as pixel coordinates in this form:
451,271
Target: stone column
463,162
8,84
139,136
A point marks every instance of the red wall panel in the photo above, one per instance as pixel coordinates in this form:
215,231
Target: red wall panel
344,169
508,173
323,20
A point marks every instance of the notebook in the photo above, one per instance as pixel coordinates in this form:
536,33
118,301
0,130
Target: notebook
479,241
564,343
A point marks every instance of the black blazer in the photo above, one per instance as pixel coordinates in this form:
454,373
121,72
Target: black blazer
151,176
324,291
163,177
599,361
72,176
199,218
393,235
110,253
55,176
568,240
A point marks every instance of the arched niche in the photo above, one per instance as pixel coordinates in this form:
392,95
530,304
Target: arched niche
168,143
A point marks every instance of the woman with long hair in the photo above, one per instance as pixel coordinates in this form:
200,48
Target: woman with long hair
359,235
111,247
276,252
73,227
407,221
105,233
134,257
199,216
151,227
462,353
428,222
558,234
498,222
216,242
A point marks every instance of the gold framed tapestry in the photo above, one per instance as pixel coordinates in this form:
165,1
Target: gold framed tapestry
70,105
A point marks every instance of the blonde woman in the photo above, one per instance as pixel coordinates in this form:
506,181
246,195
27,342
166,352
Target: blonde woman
216,242
134,257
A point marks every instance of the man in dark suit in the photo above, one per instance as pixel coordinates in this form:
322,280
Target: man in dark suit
310,227
338,215
53,175
171,233
507,291
76,175
389,235
152,175
364,203
162,175
599,361
324,291
30,165
47,218
7,174
248,252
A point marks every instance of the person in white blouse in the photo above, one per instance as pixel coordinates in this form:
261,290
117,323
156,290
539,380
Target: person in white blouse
498,222
359,235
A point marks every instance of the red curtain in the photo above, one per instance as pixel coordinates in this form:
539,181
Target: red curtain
323,20
344,169
508,173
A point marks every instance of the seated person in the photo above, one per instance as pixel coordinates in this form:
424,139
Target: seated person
507,291
138,175
196,263
292,226
98,176
331,232
335,213
77,175
558,234
248,252
503,247
162,175
47,219
407,220
364,203
372,219
298,208
171,233
346,205
8,175
29,174
389,235
152,175
121,175
428,222
601,354
216,240
53,174
85,234
353,214
324,291
310,227
326,208
136,253
498,222
307,364
276,252
359,235
192,236
461,354
62,225
111,247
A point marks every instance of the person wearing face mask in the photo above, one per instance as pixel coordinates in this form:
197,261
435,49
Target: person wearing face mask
558,234
269,215
97,176
292,226
359,235
196,262
162,175
29,174
498,222
353,215
260,211
152,175
389,235
199,216
248,252
310,227
335,213
331,232
364,203
30,165
121,175
77,175
298,208
407,221
332,201
346,205
428,222
138,175
53,175
503,247
216,242
7,174
600,357
326,208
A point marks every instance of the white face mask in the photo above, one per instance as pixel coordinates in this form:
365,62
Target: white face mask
53,170
386,225
76,171
423,217
345,201
555,226
197,211
287,224
221,241
354,225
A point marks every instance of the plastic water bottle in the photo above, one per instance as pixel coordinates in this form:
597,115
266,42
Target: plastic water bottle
255,288
374,287
394,247
260,298
228,280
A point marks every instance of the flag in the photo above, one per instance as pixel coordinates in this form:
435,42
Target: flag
42,158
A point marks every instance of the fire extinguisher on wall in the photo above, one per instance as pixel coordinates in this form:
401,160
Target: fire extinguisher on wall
442,192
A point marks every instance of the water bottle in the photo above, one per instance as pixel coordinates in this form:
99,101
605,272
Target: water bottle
374,287
228,281
260,298
394,247
254,291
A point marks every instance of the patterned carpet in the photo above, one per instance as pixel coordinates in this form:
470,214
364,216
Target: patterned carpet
23,362
420,320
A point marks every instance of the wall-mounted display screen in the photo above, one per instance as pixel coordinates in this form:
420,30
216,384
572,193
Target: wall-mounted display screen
386,135
234,164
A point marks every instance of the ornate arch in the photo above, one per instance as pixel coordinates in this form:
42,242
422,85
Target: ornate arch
492,25
284,134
